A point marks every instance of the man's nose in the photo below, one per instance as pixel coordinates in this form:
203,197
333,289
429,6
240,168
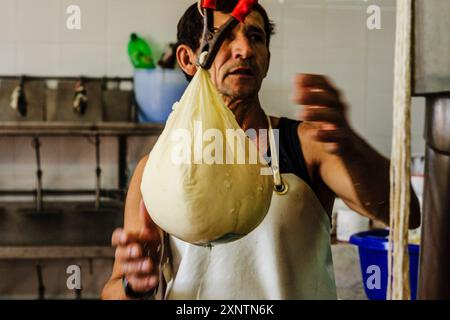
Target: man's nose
242,47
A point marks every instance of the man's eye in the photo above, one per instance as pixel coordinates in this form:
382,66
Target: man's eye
256,37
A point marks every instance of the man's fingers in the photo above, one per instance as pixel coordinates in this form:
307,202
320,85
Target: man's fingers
143,283
136,248
316,97
130,246
311,80
324,107
122,237
138,266
315,81
131,251
117,236
322,114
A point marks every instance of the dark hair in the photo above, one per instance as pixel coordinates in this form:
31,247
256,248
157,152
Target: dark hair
190,26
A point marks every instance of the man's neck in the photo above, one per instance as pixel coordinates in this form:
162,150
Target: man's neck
248,113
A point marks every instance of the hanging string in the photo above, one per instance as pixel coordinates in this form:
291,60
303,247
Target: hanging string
400,173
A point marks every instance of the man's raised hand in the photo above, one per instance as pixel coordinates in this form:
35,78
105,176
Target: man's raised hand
138,254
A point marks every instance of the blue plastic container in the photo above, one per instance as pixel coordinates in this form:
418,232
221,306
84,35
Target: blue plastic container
373,249
156,90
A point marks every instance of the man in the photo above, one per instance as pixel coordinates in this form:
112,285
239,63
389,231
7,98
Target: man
288,256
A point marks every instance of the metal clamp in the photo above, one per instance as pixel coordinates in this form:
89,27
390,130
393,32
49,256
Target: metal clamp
213,38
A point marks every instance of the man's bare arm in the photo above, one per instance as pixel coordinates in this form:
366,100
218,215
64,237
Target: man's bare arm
141,270
360,177
352,169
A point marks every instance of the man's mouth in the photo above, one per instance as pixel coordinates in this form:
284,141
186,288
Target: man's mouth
242,72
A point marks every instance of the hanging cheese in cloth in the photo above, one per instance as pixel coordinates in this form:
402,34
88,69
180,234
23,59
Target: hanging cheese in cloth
204,182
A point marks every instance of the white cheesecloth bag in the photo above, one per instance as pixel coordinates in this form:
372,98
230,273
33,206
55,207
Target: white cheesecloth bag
202,184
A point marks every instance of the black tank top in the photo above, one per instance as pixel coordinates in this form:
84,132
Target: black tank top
290,151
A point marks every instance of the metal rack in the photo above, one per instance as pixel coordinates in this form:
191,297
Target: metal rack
55,226
122,131
90,128
39,231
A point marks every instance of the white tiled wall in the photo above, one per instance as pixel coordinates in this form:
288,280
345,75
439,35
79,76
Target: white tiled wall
315,36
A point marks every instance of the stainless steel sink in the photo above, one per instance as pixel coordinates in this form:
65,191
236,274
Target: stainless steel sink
59,224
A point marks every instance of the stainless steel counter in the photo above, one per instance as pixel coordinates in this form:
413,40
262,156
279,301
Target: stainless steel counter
55,252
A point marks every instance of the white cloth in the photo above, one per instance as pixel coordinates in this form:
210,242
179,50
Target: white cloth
287,257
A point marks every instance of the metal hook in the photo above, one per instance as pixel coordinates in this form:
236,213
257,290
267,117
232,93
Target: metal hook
41,286
18,98
80,100
36,144
281,189
98,172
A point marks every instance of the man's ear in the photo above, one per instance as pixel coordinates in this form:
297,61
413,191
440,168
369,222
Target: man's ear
186,59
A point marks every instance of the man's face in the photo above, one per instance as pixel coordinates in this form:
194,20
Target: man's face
243,60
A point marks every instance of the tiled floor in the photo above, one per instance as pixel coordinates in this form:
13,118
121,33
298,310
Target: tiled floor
347,272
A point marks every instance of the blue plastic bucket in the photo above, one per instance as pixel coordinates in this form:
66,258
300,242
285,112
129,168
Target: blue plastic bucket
373,249
156,90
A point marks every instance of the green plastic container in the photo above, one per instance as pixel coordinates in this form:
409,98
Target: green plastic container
140,53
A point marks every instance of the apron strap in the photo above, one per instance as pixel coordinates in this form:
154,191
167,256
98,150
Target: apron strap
280,186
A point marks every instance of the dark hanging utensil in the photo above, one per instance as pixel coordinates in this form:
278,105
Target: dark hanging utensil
38,209
98,206
41,286
98,173
18,99
169,58
80,99
37,147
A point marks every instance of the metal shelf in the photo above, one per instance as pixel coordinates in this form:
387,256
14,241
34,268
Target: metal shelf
120,130
62,78
56,252
14,129
105,193
59,223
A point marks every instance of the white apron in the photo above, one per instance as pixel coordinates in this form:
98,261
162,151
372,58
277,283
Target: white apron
287,257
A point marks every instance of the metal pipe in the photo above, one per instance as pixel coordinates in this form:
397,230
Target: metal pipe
98,172
41,286
49,78
37,145
123,171
107,193
434,275
432,80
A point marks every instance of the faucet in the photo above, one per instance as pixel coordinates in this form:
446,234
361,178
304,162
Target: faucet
18,98
80,100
